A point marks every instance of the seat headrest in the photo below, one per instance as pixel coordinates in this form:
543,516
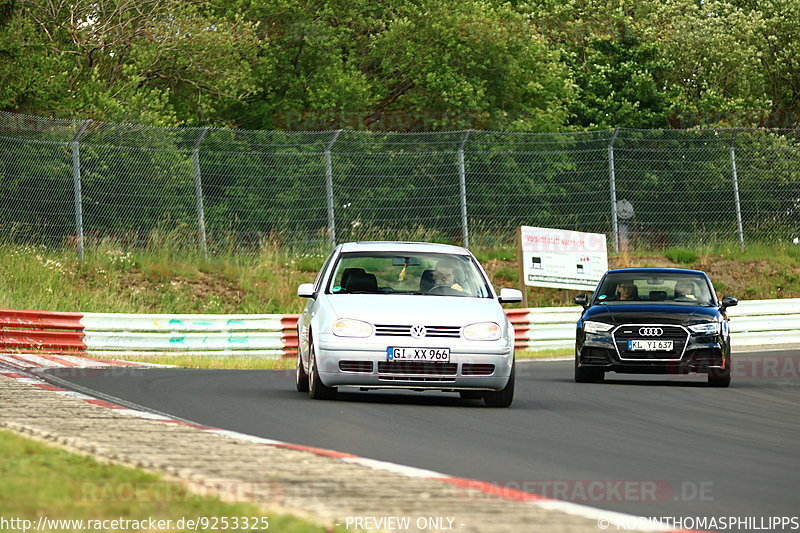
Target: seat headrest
426,281
349,272
361,282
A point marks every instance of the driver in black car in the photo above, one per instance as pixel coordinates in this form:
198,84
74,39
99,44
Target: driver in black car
685,289
444,274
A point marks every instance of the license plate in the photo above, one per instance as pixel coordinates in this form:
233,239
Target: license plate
436,355
649,346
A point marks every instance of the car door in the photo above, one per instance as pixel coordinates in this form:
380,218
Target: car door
311,308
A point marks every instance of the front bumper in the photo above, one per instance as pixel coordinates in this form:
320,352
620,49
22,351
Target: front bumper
363,363
701,354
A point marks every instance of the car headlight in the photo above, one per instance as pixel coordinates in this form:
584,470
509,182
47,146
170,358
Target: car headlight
707,329
348,327
482,331
596,327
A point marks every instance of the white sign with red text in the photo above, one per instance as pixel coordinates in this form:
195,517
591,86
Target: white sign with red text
562,259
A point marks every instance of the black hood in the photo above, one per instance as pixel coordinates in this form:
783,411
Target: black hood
651,313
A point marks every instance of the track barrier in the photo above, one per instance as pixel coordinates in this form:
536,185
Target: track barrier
753,323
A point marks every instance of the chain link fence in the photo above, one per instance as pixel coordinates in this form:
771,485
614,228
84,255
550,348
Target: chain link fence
80,183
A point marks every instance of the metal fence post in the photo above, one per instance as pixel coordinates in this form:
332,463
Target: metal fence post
329,189
462,184
198,192
76,178
613,186
736,191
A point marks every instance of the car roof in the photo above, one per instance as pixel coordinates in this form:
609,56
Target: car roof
658,270
399,246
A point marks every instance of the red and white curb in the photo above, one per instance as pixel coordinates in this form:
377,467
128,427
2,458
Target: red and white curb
611,519
40,361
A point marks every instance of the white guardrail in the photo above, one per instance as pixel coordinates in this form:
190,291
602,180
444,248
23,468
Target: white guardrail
271,335
753,323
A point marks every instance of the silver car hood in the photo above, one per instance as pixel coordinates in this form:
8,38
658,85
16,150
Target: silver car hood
416,309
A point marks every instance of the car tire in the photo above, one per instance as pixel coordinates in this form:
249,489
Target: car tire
503,397
719,378
471,394
301,378
317,390
588,375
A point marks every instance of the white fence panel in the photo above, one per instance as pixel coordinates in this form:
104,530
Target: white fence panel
765,307
178,340
753,323
195,322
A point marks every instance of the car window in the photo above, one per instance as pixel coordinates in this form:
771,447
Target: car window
432,274
672,288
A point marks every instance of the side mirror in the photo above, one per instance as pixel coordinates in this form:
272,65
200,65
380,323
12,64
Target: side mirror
509,296
729,301
581,299
305,290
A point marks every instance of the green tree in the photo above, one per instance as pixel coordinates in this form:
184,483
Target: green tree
777,39
717,75
471,57
144,61
432,64
613,53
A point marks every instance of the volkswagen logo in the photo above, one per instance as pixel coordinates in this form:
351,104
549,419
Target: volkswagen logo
418,331
651,332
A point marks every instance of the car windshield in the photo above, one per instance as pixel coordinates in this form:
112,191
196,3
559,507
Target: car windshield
407,273
680,288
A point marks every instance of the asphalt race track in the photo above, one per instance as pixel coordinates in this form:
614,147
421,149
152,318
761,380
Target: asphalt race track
644,445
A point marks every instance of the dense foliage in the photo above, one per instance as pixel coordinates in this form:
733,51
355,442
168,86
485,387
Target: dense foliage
525,65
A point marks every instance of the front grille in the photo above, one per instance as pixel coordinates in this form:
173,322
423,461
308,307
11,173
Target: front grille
393,330
356,366
417,368
482,369
676,334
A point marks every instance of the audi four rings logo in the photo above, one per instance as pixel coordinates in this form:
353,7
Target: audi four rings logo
651,332
418,331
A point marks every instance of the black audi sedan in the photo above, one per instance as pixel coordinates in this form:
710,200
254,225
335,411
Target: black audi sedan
653,321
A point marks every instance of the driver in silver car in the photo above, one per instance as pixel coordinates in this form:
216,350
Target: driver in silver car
444,275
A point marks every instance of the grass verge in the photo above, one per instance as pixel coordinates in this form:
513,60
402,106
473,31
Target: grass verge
39,480
112,280
210,361
544,354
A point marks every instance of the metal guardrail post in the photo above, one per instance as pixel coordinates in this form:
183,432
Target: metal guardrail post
736,191
462,184
76,178
198,192
612,177
329,189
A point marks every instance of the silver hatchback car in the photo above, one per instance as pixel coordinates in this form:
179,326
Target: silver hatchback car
419,316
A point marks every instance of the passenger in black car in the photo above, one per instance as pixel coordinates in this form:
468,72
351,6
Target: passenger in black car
627,291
